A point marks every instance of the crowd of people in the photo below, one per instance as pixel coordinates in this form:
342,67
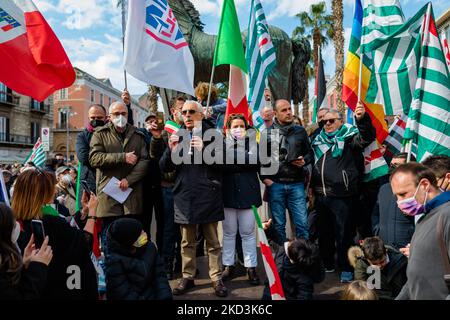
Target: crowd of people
401,235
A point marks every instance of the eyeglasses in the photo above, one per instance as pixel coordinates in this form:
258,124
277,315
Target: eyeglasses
331,121
116,114
190,111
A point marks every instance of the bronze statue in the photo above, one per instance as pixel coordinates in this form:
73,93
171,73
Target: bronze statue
202,47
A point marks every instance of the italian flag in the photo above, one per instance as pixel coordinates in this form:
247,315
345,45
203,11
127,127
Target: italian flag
276,289
374,164
171,126
230,50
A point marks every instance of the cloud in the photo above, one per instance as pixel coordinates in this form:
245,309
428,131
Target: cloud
45,6
290,8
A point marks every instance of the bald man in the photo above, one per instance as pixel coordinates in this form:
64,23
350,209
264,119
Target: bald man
286,188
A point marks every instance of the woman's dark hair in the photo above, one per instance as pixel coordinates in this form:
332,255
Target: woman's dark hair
235,116
10,259
303,252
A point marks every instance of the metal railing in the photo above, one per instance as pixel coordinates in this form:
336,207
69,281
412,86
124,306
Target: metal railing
39,107
9,98
15,138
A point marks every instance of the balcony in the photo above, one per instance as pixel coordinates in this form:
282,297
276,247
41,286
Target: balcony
14,139
39,107
9,99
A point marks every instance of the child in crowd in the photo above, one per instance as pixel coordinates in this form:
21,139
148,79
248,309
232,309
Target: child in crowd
358,290
134,270
20,278
299,266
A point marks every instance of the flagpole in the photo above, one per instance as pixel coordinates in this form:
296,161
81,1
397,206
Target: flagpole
210,86
123,40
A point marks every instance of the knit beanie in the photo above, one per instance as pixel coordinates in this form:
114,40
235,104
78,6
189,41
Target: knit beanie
126,231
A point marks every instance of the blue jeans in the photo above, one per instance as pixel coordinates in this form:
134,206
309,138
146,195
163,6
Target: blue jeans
169,235
289,196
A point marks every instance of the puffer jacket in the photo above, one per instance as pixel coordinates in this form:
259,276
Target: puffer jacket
135,276
342,176
107,155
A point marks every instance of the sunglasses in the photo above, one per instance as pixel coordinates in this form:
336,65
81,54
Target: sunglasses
190,111
331,121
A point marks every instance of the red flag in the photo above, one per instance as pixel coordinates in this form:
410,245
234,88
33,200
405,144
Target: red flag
32,60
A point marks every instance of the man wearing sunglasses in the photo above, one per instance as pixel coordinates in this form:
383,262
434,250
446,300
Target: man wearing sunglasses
336,179
197,199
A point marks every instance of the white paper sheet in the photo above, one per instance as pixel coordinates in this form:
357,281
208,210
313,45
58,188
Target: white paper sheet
112,189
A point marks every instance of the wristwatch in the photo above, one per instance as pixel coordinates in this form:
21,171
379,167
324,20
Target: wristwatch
92,217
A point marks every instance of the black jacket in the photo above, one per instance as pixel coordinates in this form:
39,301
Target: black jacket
82,148
343,175
392,276
30,286
198,187
298,283
71,247
138,276
293,143
241,188
389,223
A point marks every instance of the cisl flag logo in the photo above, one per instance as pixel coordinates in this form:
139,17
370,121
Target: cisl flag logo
162,25
7,22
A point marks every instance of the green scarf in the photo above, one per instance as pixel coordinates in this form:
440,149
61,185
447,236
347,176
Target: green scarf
336,143
48,210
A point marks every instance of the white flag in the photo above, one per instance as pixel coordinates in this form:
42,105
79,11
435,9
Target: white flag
155,49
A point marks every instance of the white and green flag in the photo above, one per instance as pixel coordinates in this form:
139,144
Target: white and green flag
37,155
260,58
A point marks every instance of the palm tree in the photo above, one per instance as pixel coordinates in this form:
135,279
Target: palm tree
338,39
152,98
317,26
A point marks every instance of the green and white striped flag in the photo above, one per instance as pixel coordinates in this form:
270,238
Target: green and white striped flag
380,19
417,83
429,116
260,58
37,155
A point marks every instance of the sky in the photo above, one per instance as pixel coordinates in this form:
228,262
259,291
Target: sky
91,30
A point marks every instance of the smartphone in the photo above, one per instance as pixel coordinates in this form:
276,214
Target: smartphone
86,187
37,227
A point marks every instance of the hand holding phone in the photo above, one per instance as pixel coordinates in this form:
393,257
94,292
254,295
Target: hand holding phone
37,227
86,187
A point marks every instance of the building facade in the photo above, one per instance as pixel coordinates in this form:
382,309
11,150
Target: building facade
71,106
21,121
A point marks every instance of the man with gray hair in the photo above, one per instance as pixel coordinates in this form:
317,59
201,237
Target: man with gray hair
336,180
118,150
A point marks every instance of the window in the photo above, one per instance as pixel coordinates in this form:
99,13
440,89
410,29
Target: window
4,129
109,101
35,131
101,99
63,93
92,96
3,90
35,105
62,118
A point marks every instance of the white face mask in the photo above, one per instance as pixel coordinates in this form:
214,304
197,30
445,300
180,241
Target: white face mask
67,179
15,233
120,121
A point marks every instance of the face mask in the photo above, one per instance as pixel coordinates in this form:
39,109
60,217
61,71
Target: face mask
60,161
411,206
15,233
67,179
141,241
120,121
238,133
97,123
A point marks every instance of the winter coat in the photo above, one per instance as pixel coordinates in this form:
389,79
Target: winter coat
31,284
241,188
342,176
389,223
198,187
298,283
108,156
87,172
157,148
392,276
135,276
71,247
70,197
293,143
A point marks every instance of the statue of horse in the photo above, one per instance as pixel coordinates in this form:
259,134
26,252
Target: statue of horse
202,46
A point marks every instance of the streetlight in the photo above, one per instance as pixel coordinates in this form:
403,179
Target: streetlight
68,112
